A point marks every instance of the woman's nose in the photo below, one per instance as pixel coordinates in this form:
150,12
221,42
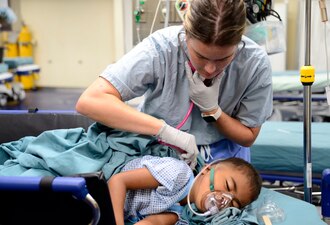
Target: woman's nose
210,67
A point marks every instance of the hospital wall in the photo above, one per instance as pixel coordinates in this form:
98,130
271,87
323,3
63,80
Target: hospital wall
76,39
73,40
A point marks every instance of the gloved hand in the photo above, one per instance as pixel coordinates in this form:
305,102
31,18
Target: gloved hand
206,98
178,139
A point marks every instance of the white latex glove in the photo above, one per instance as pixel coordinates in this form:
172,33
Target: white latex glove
184,142
206,98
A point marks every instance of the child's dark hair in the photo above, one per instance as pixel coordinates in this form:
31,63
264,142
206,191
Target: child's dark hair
246,168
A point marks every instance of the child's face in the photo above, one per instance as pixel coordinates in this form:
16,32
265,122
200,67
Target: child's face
226,179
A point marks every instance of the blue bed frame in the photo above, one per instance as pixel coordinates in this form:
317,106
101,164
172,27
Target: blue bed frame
78,200
94,202
74,186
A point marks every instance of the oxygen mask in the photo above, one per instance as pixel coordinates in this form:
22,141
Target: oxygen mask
216,201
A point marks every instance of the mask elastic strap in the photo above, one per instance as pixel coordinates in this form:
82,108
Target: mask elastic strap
212,179
207,213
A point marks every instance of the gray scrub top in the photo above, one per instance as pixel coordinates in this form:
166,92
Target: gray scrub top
155,68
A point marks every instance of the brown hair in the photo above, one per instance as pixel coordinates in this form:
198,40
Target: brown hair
255,181
218,22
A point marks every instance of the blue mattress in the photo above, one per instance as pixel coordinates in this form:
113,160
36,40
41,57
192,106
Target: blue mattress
296,212
279,147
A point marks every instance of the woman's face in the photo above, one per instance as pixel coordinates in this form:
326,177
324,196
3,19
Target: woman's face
209,60
226,179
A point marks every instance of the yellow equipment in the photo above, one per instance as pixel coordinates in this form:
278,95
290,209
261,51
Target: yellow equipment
27,75
25,42
11,50
307,75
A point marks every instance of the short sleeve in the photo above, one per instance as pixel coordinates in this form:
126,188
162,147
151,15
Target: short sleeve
134,72
170,172
175,178
256,105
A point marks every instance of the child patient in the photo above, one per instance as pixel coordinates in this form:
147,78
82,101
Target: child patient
154,190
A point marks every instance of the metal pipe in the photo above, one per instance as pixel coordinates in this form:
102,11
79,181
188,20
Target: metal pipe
308,12
307,112
307,145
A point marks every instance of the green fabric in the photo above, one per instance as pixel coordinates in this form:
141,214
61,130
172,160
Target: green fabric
229,216
64,152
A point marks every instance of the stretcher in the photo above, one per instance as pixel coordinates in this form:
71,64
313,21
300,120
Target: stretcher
288,96
279,147
23,122
278,155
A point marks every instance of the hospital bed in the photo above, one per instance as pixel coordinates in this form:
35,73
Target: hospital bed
278,155
288,96
22,123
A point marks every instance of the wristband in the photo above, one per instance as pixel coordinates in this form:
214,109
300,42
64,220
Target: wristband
210,118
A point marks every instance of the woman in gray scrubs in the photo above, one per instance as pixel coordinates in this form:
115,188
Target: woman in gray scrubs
207,88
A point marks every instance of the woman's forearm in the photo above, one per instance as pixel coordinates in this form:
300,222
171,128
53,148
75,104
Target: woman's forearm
236,131
102,103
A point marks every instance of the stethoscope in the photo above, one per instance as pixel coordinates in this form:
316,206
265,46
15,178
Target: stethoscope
193,70
191,105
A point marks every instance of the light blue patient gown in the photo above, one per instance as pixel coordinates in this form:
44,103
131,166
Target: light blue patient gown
175,178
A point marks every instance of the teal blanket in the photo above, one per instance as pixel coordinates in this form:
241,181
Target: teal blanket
65,152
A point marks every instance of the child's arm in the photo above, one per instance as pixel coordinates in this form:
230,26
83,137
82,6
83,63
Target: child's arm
129,180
